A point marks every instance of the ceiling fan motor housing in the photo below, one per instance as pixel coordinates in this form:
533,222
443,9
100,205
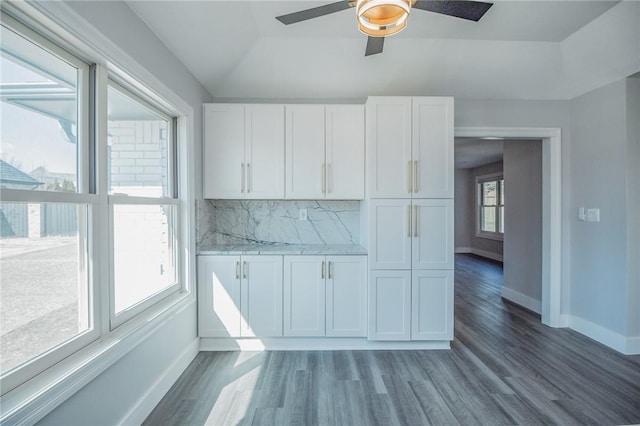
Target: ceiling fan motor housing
381,18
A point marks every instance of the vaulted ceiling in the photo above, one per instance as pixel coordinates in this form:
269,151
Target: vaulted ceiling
518,50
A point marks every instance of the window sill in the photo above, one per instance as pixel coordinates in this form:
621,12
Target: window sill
495,237
31,401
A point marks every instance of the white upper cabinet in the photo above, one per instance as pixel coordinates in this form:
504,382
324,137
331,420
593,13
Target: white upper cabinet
389,147
410,147
243,151
305,161
223,167
344,152
324,152
432,147
264,151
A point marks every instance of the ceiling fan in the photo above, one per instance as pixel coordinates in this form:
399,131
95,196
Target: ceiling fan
380,18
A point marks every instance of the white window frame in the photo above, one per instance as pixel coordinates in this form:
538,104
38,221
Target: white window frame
497,235
117,319
13,378
39,387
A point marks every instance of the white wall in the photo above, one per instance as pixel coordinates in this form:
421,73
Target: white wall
462,222
523,223
598,249
633,207
545,114
116,20
108,398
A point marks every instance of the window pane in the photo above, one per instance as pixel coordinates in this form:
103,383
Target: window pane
489,193
143,252
138,148
38,118
501,226
488,219
502,192
43,284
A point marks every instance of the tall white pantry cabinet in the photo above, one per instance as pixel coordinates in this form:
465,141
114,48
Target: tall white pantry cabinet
410,180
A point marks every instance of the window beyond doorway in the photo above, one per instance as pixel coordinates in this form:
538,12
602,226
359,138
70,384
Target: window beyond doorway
490,196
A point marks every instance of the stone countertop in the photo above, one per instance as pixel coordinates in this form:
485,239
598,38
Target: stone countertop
283,249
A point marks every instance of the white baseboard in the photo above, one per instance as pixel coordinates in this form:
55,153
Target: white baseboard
522,300
481,253
312,344
152,397
633,346
463,250
603,335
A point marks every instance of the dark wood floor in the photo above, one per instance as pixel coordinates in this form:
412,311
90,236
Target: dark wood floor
504,367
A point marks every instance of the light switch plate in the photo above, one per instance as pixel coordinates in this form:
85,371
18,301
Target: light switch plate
581,214
302,215
593,215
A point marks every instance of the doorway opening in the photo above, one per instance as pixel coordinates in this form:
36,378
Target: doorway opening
551,223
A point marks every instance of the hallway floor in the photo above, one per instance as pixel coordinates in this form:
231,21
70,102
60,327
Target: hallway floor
504,367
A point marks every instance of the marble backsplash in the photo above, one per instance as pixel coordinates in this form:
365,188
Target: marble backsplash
276,222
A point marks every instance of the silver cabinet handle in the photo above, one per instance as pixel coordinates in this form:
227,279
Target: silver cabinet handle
330,270
417,175
324,177
322,270
409,221
409,186
244,269
242,178
329,179
415,221
238,270
248,178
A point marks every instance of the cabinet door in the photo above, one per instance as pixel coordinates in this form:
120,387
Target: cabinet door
304,295
345,152
432,310
346,296
305,161
264,151
390,234
224,165
389,305
432,242
432,150
389,147
261,296
219,296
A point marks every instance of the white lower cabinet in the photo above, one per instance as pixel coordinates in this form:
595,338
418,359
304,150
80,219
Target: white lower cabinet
325,296
432,305
240,296
390,305
411,305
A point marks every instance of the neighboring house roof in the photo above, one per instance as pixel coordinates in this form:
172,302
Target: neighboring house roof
11,177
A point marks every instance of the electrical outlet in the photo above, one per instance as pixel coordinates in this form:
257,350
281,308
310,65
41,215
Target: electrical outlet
302,215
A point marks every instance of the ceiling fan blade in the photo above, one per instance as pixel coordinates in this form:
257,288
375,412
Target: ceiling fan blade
471,10
315,12
374,46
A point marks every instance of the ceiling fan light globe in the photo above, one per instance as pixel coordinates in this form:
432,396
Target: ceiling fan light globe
380,18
